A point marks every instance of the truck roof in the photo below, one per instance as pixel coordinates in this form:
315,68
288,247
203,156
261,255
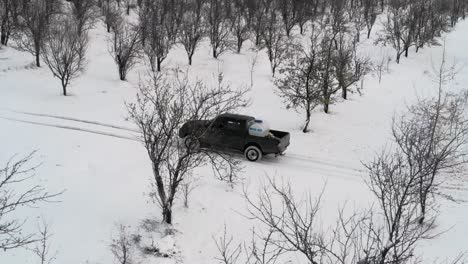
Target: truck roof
236,116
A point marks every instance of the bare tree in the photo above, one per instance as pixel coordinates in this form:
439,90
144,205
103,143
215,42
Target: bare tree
356,14
294,223
42,249
129,4
218,27
125,47
239,23
252,63
9,12
65,50
288,14
110,15
122,247
433,137
192,27
297,83
162,107
275,41
85,14
370,14
36,17
188,186
14,195
382,66
157,39
400,27
228,252
256,12
394,186
349,67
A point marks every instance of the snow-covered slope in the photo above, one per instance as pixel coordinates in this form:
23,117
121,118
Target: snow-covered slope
88,149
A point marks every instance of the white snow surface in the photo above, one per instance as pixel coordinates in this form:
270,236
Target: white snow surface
88,149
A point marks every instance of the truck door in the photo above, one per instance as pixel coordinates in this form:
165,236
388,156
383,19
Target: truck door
234,134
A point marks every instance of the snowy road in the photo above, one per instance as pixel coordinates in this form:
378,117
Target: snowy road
323,166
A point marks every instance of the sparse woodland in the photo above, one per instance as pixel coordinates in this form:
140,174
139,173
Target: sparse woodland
312,47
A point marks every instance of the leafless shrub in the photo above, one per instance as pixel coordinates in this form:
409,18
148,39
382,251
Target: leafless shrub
157,38
13,196
192,28
9,14
381,67
162,107
122,246
394,187
297,83
275,41
125,47
293,224
228,252
188,185
239,23
350,68
42,248
35,19
110,15
433,138
252,63
84,13
65,50
218,27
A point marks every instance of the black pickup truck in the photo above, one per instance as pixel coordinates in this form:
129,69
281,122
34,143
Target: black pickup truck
231,131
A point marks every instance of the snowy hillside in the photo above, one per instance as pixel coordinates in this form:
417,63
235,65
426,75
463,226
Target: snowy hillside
88,148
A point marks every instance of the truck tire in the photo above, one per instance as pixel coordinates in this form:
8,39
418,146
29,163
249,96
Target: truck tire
253,153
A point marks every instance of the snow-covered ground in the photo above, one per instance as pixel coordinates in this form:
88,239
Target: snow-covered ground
88,149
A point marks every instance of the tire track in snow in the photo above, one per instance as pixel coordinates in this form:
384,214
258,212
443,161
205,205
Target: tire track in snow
315,168
322,166
330,163
91,122
70,128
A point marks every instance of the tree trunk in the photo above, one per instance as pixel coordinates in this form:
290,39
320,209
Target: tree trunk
239,45
159,62
369,32
406,52
167,215
326,104
4,36
398,57
344,92
38,60
190,59
422,203
215,54
122,74
108,27
306,125
64,87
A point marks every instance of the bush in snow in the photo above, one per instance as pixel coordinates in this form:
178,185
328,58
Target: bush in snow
34,22
65,50
125,46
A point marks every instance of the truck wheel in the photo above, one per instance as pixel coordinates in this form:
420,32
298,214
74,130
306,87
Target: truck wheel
191,143
253,153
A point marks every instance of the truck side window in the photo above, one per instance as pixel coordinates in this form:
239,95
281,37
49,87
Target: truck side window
232,125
